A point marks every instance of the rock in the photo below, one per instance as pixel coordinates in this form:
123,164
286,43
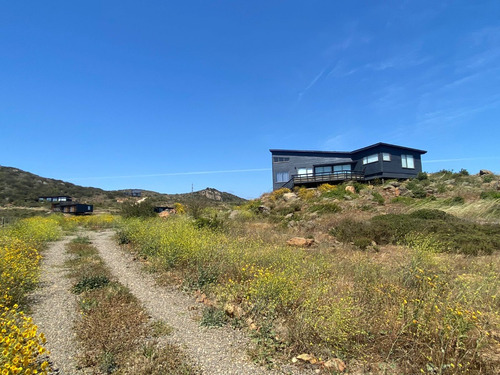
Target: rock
347,197
485,171
335,364
234,214
263,209
404,192
289,197
300,242
307,358
289,216
164,214
397,192
233,310
202,298
212,194
350,189
395,183
388,187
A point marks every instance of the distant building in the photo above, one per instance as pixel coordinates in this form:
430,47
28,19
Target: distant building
311,168
55,198
134,193
72,208
160,209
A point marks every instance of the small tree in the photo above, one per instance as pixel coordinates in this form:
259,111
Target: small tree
142,209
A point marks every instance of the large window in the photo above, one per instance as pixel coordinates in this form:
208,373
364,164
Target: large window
323,170
304,171
342,167
386,156
407,161
370,159
282,177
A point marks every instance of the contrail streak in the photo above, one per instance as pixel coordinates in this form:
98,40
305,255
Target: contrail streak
173,174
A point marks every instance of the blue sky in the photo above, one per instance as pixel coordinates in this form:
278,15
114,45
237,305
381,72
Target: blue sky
167,96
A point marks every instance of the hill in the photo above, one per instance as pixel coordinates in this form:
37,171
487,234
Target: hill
21,188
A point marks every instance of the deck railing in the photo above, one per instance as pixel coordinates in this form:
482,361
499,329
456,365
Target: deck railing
313,178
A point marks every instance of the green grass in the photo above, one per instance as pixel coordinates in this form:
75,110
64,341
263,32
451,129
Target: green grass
450,233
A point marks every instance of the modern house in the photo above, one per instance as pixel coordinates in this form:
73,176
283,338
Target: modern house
134,193
72,208
312,168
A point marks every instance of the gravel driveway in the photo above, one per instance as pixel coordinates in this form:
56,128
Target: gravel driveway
54,309
214,350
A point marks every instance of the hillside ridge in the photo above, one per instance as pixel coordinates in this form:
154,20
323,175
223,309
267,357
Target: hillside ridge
19,187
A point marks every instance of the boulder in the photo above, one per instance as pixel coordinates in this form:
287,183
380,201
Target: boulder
485,171
300,242
289,197
164,214
264,209
350,189
335,364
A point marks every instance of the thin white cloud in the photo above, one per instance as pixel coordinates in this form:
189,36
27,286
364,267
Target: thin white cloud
319,77
173,174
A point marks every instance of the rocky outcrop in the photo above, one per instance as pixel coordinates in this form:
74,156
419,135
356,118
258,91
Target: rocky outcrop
482,172
212,194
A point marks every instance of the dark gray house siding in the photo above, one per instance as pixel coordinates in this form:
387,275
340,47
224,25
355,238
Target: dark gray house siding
381,160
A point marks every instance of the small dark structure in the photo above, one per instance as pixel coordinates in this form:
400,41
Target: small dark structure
134,193
73,208
55,198
160,209
312,168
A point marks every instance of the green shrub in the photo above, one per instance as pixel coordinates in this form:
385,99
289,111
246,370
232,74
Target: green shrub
81,240
451,234
325,208
488,178
431,214
377,197
490,194
422,176
213,317
142,209
213,222
362,242
417,189
90,283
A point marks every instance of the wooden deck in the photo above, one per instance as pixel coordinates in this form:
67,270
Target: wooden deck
323,178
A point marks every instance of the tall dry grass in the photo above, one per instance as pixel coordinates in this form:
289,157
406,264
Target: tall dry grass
419,311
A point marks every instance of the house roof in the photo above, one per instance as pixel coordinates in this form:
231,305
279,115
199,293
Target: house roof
350,152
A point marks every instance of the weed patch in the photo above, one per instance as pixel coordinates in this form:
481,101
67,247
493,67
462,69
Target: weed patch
450,233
